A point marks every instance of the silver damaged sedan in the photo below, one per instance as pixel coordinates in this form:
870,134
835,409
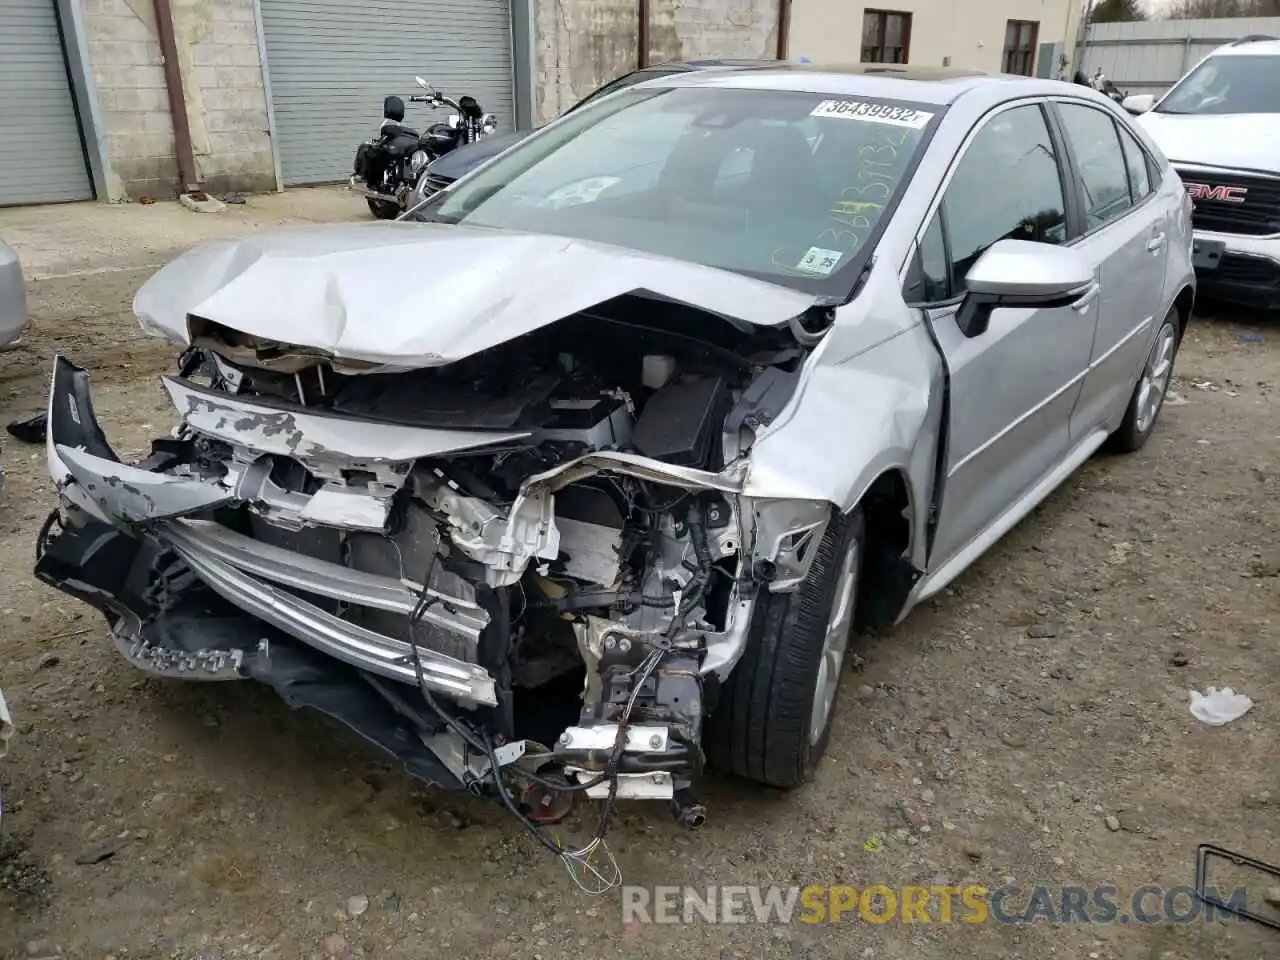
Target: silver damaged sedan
584,484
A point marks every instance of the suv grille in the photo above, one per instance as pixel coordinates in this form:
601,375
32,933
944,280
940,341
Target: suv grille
1231,203
435,183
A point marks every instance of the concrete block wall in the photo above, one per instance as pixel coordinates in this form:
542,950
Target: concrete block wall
226,100
128,71
222,80
582,44
708,29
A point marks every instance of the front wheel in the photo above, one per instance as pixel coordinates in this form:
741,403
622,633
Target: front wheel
1148,395
383,209
773,720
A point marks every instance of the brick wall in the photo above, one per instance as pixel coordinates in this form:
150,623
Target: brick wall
222,79
582,44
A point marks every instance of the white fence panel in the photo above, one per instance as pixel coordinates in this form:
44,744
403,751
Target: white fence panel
1149,56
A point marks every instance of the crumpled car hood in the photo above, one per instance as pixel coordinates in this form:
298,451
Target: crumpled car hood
410,295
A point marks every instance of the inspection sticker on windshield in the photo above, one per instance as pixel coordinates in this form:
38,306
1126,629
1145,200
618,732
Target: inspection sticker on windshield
873,113
818,261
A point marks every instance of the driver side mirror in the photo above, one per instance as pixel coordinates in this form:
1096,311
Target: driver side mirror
1019,273
1138,103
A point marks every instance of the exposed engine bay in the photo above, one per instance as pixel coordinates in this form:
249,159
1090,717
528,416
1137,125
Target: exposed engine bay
522,573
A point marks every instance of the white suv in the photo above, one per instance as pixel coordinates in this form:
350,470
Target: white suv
1220,127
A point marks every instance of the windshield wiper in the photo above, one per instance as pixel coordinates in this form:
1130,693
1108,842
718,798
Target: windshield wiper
861,278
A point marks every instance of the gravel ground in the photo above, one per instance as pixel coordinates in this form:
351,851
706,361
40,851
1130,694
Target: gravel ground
1029,727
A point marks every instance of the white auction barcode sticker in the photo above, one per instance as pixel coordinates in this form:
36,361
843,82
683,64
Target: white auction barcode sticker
873,113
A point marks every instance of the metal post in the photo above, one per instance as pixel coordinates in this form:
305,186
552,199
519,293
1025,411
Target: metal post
266,91
784,27
187,173
1082,35
642,34
524,55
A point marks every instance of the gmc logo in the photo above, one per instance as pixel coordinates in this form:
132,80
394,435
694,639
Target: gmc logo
1223,194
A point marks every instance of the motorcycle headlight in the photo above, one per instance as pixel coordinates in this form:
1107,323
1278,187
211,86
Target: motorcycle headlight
488,123
453,121
417,162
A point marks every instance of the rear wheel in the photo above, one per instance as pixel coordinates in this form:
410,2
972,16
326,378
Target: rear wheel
1148,395
773,720
383,209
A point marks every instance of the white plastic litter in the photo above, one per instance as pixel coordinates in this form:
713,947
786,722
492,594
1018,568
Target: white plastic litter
6,726
1216,707
6,731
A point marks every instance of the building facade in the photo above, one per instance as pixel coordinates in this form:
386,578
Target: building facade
274,93
1027,37
266,94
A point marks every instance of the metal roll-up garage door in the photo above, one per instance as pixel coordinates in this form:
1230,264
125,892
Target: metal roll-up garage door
330,63
41,153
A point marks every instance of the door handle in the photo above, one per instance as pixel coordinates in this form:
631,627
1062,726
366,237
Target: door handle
1156,243
1082,304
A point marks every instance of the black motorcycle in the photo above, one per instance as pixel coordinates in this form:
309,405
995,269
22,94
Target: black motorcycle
1112,91
388,166
1102,84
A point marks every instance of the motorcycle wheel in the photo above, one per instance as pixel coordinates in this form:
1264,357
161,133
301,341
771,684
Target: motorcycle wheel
382,209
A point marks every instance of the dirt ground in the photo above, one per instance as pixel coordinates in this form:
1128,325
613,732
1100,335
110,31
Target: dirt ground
1030,727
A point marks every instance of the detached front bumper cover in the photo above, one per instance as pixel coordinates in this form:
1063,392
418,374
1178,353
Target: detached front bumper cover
243,571
193,599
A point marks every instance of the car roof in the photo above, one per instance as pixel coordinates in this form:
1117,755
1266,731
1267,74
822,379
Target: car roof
939,85
709,64
1251,46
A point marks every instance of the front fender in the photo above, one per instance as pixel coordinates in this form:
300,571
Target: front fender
853,421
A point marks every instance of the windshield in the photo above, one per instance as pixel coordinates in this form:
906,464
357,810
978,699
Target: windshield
783,186
1228,84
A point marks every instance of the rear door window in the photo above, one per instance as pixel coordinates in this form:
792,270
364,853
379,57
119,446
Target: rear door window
1101,163
1135,158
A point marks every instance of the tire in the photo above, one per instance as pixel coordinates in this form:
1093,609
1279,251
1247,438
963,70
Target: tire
1157,373
383,209
761,728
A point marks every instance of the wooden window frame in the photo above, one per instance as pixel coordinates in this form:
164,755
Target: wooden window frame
1016,59
879,52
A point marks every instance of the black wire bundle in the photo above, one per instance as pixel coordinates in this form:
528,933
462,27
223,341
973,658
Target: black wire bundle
478,740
